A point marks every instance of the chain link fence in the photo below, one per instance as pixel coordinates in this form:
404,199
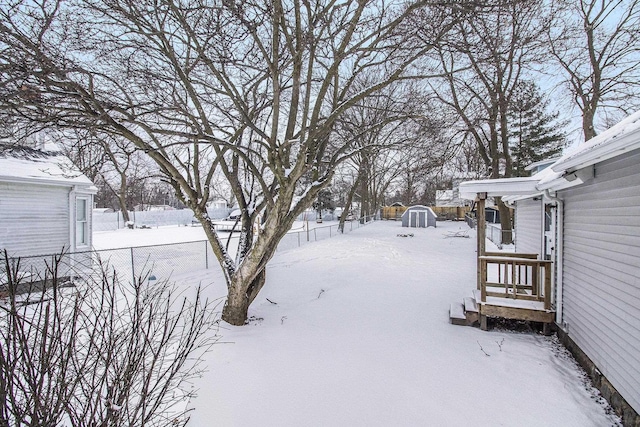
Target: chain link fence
108,221
155,262
295,239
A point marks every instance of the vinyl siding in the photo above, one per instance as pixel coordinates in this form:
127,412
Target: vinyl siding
34,219
602,271
528,225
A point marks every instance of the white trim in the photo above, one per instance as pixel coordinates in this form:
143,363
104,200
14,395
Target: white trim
88,187
86,224
72,219
499,187
619,139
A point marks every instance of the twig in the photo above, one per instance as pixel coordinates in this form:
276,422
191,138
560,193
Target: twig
274,303
500,343
485,353
282,319
321,292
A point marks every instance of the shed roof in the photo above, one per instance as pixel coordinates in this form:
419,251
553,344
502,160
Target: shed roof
419,208
28,165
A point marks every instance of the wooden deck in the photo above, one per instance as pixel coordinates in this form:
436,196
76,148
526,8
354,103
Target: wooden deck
515,286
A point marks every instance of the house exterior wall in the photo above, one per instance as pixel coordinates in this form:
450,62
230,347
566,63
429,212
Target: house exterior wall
601,271
528,226
34,219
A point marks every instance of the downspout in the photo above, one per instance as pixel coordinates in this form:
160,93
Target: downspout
559,257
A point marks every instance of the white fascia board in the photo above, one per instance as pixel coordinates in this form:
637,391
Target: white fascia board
499,187
558,184
89,187
617,140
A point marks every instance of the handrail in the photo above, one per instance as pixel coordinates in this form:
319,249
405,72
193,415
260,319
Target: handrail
511,254
522,277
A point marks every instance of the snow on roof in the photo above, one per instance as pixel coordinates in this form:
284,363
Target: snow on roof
419,208
499,187
619,139
570,169
23,164
623,137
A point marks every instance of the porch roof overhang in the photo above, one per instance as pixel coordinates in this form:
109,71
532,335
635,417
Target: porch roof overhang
526,186
572,169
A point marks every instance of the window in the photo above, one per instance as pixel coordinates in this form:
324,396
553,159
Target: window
82,224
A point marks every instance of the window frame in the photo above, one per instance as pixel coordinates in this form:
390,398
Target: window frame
82,224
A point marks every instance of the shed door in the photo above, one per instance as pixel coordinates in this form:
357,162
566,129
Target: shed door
413,219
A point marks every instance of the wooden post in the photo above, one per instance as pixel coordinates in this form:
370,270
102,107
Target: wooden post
547,286
481,232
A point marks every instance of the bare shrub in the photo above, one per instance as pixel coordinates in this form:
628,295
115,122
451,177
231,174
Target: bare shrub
100,353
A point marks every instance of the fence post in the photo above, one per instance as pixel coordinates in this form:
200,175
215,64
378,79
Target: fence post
206,255
330,232
133,269
298,238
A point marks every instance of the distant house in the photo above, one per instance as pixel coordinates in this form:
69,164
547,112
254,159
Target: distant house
217,204
45,203
582,215
419,216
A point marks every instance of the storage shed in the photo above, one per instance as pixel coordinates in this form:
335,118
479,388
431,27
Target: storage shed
419,216
45,203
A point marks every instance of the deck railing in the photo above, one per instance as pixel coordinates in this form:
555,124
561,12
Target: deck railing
515,276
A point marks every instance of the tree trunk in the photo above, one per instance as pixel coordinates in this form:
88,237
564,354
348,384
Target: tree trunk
240,297
236,307
123,210
505,222
122,198
364,188
347,204
587,123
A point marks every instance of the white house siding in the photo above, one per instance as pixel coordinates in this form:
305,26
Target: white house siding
33,216
528,226
602,271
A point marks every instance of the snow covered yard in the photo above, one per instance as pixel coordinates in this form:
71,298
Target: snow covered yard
354,330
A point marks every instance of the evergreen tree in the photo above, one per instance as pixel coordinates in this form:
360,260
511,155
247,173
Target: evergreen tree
535,134
323,202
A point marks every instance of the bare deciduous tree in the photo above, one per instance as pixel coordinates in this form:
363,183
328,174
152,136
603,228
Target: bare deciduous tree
251,89
597,44
484,62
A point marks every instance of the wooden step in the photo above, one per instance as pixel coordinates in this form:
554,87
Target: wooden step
456,314
471,310
477,296
470,305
